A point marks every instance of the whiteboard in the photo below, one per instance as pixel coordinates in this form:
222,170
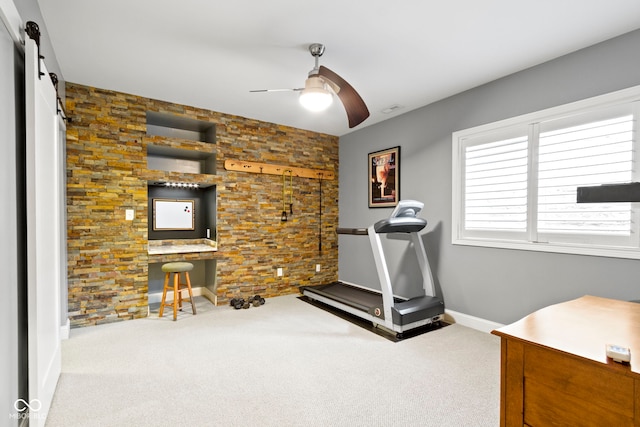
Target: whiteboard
173,214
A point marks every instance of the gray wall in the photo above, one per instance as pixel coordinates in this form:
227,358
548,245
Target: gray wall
494,284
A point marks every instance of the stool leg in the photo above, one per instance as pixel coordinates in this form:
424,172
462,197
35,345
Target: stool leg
164,293
176,290
193,306
180,287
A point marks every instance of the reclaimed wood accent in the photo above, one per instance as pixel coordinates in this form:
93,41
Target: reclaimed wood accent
253,167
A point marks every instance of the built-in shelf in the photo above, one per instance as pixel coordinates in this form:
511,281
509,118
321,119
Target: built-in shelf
180,144
172,159
169,125
182,151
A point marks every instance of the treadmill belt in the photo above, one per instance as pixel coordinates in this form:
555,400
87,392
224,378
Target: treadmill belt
354,297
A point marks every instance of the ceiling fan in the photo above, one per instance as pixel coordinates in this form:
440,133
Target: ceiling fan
317,92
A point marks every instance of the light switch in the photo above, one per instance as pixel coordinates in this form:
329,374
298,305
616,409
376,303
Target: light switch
129,214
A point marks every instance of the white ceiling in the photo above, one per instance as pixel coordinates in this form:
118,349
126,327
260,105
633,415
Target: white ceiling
210,54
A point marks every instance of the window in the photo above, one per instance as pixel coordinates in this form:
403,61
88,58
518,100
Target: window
515,182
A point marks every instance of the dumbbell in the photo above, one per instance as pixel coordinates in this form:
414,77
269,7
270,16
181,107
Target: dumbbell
238,303
257,300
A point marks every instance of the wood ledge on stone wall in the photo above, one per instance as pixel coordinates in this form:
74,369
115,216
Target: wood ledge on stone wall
253,167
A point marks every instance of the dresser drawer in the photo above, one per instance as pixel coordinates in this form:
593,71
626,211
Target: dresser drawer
561,391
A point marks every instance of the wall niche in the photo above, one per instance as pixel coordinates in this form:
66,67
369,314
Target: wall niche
204,211
167,129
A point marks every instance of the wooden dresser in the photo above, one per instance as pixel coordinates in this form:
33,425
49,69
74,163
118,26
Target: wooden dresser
554,368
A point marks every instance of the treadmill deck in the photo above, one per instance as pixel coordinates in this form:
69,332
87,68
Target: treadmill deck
404,311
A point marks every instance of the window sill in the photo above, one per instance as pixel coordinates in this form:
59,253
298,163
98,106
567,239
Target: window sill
610,252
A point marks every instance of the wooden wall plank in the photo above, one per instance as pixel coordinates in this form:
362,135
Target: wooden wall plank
253,167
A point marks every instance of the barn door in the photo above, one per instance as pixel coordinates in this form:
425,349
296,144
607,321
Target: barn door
43,235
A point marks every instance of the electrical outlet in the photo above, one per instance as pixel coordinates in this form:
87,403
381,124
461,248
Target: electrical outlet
129,214
279,272
317,268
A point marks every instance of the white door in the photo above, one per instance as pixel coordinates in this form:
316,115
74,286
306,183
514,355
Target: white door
43,235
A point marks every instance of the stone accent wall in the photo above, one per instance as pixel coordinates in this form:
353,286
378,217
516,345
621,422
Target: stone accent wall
107,174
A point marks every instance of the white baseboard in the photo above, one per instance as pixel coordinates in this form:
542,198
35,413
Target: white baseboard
469,321
64,330
156,297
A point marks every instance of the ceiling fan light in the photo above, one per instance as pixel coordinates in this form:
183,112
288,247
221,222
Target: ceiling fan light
315,96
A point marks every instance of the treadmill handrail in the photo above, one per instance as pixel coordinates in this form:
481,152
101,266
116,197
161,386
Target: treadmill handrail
354,231
389,225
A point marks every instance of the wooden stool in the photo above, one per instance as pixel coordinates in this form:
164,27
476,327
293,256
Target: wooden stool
176,268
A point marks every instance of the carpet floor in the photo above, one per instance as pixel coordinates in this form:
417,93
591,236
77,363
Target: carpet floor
286,363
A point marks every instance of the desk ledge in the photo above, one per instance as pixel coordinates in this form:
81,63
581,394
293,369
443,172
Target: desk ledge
178,246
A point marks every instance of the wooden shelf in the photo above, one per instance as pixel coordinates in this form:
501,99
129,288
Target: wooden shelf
253,167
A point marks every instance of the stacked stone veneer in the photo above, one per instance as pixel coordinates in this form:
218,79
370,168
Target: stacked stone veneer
107,174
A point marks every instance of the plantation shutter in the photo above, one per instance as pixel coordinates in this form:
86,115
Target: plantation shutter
592,153
515,181
495,187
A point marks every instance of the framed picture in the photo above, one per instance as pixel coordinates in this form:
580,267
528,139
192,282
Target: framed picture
172,214
384,178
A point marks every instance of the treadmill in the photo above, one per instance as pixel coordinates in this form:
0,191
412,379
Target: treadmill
383,309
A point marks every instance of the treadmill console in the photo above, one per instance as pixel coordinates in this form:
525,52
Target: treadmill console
403,219
407,208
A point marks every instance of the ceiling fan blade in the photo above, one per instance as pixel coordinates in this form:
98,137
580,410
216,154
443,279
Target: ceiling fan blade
357,110
276,90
